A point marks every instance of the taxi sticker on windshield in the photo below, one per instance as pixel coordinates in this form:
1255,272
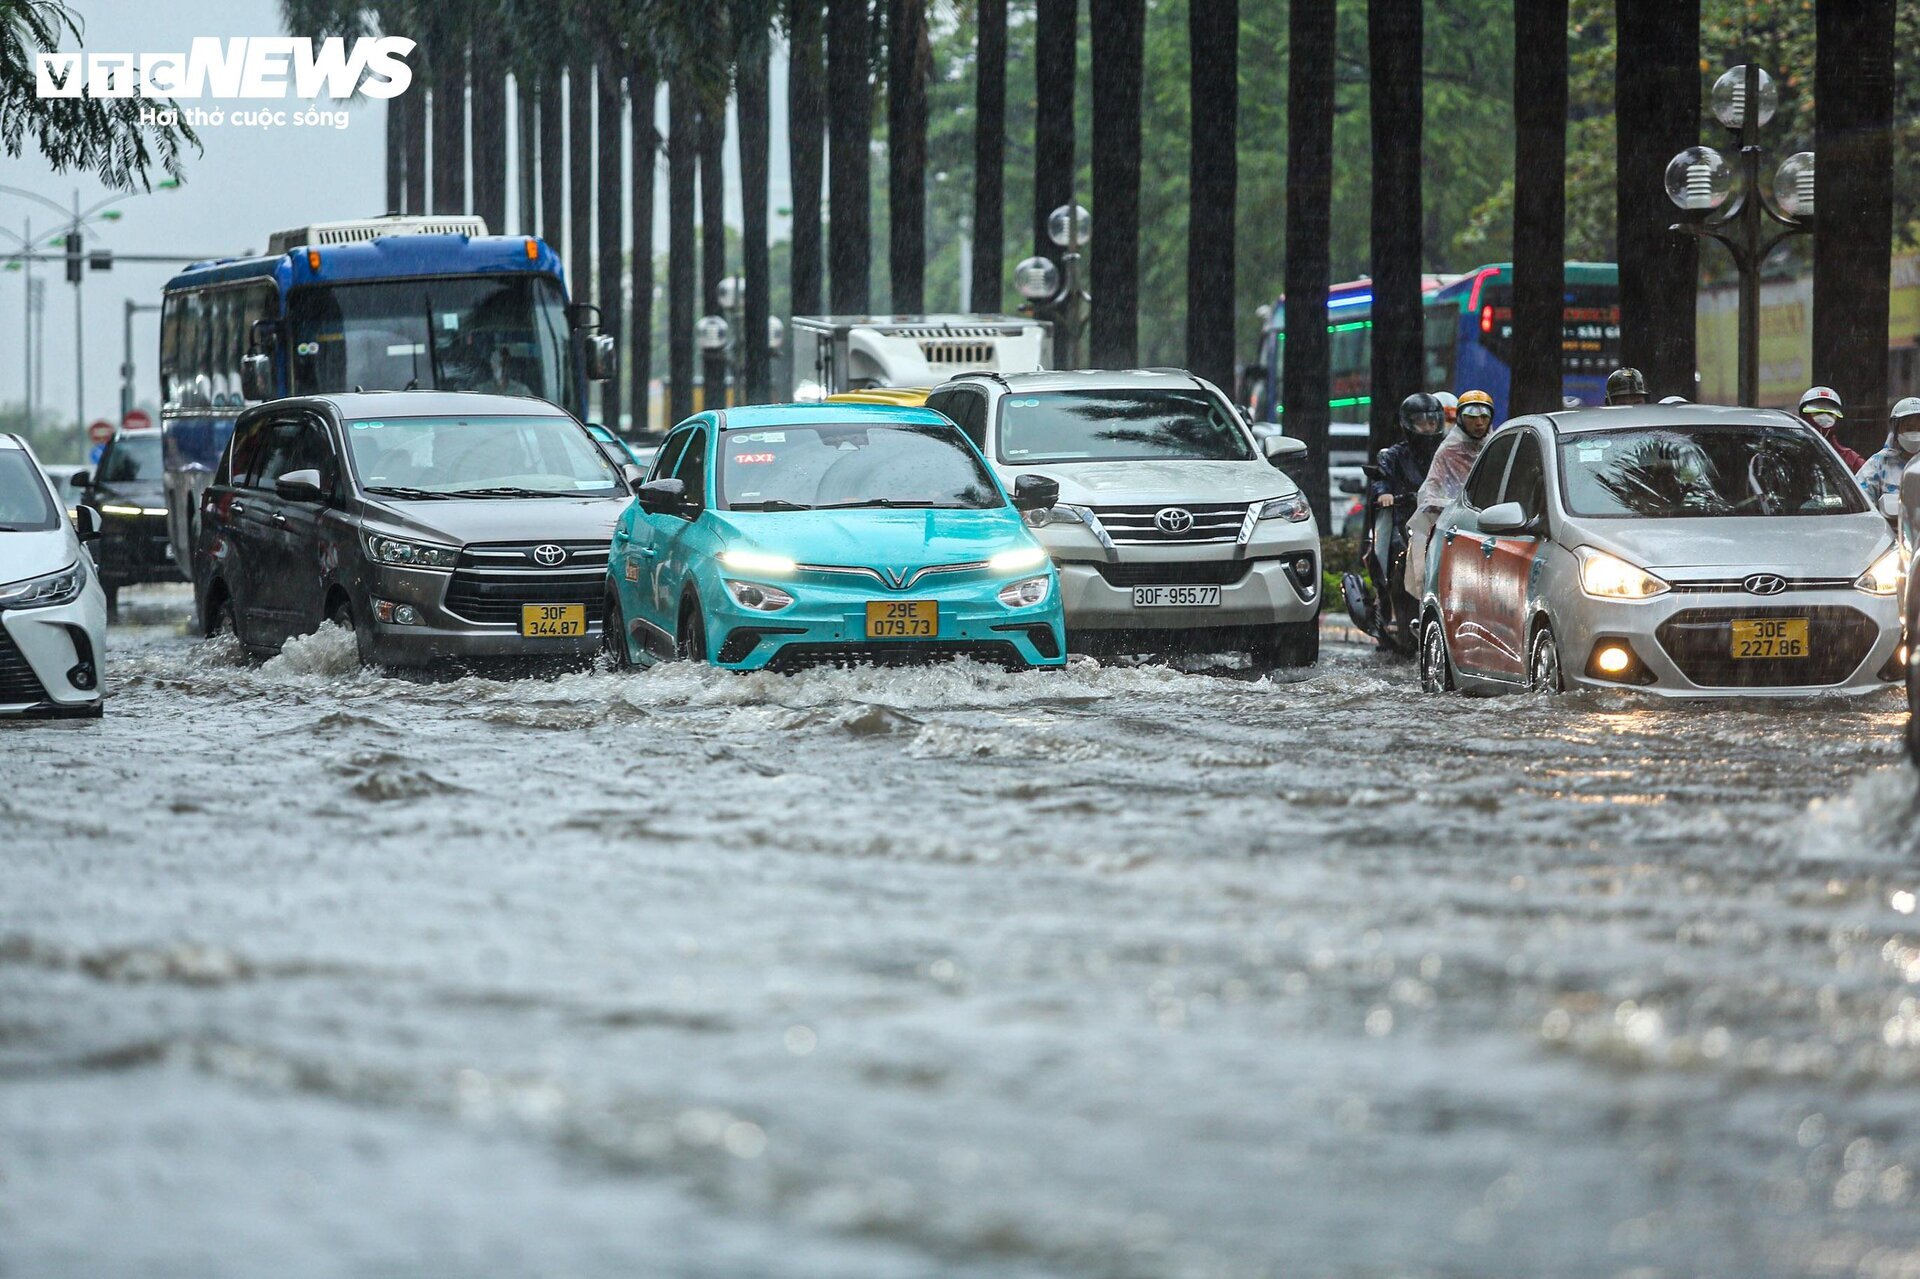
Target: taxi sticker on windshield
763,437
368,426
752,459
1592,453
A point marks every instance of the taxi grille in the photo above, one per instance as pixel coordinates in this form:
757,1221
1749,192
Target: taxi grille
798,657
1177,573
1138,525
18,683
1700,642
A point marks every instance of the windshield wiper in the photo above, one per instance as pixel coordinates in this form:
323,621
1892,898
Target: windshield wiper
400,490
893,504
510,490
771,504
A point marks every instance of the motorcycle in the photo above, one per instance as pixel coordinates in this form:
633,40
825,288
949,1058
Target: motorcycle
1390,615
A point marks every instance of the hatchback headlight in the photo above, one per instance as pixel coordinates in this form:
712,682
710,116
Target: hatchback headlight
757,596
1026,594
403,554
1609,577
1884,576
63,587
1293,508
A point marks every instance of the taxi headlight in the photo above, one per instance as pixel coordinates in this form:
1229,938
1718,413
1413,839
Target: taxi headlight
1293,508
1883,577
404,554
1018,559
755,595
53,589
1609,577
1026,594
757,562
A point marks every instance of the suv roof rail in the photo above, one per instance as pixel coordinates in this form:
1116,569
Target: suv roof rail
1001,378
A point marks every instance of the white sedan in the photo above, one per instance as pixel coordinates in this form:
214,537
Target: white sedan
53,614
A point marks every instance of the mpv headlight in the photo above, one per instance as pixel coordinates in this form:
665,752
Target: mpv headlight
402,554
1032,591
1883,578
1293,508
757,595
63,587
1611,578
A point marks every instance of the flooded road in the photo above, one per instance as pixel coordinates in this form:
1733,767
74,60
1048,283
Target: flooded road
1116,971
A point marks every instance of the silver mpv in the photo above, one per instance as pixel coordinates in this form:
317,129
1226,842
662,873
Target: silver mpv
1686,550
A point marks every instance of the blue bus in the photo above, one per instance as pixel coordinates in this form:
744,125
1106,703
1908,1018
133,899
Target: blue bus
1469,338
380,304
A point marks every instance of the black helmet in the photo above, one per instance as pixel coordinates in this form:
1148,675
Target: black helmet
1626,386
1422,414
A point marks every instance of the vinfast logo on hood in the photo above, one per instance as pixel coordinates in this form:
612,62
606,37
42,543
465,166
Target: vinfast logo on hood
257,67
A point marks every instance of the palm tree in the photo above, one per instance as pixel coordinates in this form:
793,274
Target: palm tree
751,21
396,152
643,88
683,158
1539,205
447,58
525,107
1656,112
850,135
609,110
806,153
415,125
1213,182
1395,40
713,236
489,128
553,151
1853,237
1119,33
580,179
990,155
909,63
1056,34
1307,376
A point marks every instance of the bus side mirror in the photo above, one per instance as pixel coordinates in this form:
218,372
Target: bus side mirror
256,376
600,357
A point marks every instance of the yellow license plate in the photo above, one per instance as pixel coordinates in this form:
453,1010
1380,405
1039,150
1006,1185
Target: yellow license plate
553,621
1770,637
903,619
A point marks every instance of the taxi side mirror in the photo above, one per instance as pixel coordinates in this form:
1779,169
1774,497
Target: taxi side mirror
661,497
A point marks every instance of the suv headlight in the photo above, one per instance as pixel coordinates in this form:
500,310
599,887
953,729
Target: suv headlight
1062,514
403,554
1609,577
1293,508
1884,576
1026,594
757,595
63,587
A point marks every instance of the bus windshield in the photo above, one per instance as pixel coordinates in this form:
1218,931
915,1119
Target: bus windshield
502,334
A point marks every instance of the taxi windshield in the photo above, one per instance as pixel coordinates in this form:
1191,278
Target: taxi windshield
913,465
1704,471
478,457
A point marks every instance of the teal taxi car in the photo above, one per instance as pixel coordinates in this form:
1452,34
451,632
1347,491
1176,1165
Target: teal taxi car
788,536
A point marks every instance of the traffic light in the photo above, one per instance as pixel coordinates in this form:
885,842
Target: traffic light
73,257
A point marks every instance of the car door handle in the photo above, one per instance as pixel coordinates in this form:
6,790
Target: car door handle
649,552
238,508
279,519
620,535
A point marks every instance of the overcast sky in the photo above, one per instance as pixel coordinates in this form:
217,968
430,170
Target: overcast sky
246,183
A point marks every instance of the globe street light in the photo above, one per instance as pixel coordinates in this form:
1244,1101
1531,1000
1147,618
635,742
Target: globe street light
711,333
1055,291
1716,202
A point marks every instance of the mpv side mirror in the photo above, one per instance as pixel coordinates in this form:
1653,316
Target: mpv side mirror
1505,517
299,486
86,522
256,376
80,479
660,497
600,357
1890,505
1283,448
633,475
1035,493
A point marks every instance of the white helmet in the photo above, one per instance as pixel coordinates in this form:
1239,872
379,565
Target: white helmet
1906,424
1822,399
1450,403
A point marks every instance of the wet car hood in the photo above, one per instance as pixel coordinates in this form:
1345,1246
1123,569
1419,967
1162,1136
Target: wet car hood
1792,546
876,538
1164,481
499,519
24,555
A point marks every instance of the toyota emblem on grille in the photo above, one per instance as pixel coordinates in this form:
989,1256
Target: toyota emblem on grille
1173,519
1764,584
547,554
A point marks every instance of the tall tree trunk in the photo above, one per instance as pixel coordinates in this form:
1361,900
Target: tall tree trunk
1056,34
1307,378
553,162
909,62
1395,39
450,128
755,126
489,134
1853,235
683,161
580,181
990,157
806,149
1656,95
713,238
850,133
609,191
1119,33
414,122
525,107
1539,206
396,154
1213,185
643,89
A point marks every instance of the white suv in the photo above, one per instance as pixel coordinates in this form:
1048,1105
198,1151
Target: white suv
1172,524
53,614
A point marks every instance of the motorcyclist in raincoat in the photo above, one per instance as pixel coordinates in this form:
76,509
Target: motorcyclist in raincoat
1820,409
1445,478
1404,465
1881,474
1375,602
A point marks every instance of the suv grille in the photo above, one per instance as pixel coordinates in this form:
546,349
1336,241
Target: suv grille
494,580
1138,526
18,683
1176,573
1700,642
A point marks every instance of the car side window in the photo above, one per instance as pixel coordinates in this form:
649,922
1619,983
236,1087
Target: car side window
311,450
244,453
942,402
1526,481
668,457
277,456
970,413
1483,485
692,470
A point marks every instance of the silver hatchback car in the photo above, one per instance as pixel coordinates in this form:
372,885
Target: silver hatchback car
1686,550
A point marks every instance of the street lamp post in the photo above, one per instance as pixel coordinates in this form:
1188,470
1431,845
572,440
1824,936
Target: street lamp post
711,335
1716,205
1056,291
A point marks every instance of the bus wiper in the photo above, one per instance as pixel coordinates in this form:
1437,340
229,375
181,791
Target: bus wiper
772,504
400,490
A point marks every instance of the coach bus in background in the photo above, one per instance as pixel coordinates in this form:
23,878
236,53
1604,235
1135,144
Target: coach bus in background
1469,344
377,304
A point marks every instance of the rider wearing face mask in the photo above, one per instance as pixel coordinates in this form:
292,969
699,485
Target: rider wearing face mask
1820,407
1445,478
1881,474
